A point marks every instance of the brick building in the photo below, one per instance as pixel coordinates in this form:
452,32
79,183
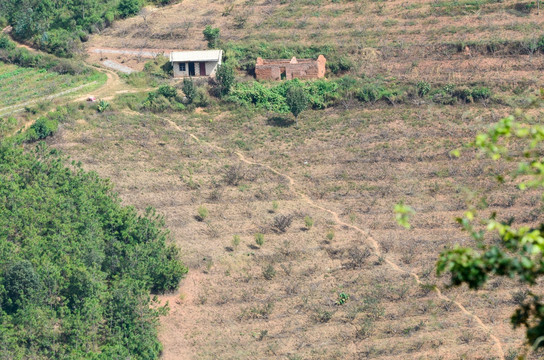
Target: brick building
266,69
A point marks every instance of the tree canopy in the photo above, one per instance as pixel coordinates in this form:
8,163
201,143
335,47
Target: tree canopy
520,251
77,267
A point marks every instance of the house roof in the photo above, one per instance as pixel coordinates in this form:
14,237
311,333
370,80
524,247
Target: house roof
203,55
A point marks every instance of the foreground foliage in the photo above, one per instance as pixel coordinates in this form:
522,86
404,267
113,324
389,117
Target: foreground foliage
76,267
519,251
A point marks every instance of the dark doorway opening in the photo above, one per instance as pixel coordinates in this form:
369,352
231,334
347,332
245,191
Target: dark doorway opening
191,69
202,69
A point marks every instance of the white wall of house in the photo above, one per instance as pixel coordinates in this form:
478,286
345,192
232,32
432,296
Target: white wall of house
211,68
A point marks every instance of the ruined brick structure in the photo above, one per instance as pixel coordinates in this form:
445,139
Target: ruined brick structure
290,69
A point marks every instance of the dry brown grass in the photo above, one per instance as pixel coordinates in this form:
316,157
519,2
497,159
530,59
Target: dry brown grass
345,168
407,40
357,163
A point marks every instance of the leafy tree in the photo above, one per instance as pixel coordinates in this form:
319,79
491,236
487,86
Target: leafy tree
297,100
20,282
128,7
211,35
225,79
519,252
189,89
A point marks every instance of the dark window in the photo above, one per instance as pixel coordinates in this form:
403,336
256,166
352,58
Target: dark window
181,66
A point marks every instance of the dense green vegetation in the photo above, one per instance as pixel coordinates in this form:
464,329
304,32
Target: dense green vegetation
76,267
11,54
60,26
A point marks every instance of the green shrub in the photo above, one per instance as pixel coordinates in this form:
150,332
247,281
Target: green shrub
20,283
341,65
423,88
269,272
102,106
342,298
296,100
42,128
235,241
202,99
211,35
225,79
167,91
128,8
308,222
369,93
156,103
6,43
259,239
202,213
189,89
481,93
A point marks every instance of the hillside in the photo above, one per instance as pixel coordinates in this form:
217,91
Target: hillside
288,229
410,41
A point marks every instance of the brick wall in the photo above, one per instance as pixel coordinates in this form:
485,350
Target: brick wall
304,69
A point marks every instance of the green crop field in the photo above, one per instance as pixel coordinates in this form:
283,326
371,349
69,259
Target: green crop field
20,85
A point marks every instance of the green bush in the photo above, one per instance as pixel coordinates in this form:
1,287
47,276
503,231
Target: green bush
167,91
42,128
370,93
189,89
296,100
423,88
211,35
128,8
21,283
339,66
6,43
225,79
259,239
102,106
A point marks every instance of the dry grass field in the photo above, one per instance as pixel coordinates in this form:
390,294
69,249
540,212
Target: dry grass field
343,169
408,40
336,277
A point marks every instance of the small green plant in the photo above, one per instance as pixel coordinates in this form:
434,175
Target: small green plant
423,88
403,214
308,222
259,239
330,235
103,105
235,241
202,213
275,206
269,272
342,298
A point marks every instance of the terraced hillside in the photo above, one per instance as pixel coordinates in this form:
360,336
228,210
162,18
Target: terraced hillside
334,276
342,169
495,42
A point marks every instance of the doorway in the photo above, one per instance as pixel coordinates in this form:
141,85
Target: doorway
202,69
191,69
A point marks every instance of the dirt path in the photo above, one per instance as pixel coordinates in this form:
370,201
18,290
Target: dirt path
366,233
21,106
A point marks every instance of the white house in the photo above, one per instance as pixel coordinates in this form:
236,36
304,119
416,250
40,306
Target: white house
195,63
